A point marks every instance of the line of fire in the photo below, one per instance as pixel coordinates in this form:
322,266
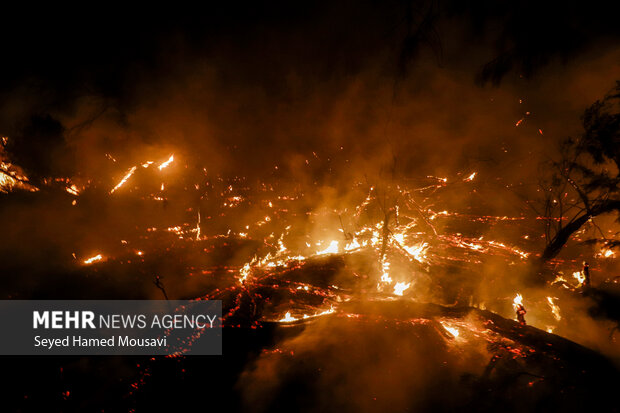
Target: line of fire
409,206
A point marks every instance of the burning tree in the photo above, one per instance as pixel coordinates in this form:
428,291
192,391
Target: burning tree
584,182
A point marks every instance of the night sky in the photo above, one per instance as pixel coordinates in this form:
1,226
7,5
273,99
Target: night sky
249,86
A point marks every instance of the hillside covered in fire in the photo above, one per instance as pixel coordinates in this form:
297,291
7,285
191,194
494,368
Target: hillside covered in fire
406,206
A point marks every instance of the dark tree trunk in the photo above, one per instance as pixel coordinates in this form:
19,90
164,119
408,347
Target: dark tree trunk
561,237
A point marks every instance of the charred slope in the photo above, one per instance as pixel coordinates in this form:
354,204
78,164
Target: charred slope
368,356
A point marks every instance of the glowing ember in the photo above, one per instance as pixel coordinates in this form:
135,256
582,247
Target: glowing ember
125,178
96,258
73,190
233,201
166,163
330,311
245,271
470,177
288,318
197,229
177,230
516,251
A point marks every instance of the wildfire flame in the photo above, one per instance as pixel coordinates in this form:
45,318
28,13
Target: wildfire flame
245,271
385,277
579,277
73,190
554,308
331,249
452,330
518,301
408,238
287,318
353,245
470,177
606,253
96,258
166,163
418,252
12,177
125,178
400,287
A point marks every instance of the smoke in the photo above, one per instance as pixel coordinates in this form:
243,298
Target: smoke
309,103
247,98
343,365
317,104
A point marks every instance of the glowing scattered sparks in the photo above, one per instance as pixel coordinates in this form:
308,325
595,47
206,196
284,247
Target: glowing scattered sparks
73,190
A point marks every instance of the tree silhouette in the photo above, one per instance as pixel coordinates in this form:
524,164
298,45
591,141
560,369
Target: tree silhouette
585,182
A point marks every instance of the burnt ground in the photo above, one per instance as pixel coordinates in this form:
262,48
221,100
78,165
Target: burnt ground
375,352
381,356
